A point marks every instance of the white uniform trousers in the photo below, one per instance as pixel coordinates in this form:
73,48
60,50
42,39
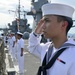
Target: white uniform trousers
21,63
13,53
10,49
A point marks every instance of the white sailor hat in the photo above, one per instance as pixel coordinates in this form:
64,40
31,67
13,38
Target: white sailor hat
19,33
57,9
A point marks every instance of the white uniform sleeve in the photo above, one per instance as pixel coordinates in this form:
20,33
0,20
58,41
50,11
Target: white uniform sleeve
34,45
21,43
13,38
72,69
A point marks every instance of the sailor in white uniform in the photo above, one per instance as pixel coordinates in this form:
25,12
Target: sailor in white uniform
9,46
20,53
13,43
55,24
15,47
10,43
4,40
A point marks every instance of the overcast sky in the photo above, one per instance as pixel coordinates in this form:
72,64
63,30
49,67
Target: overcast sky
12,5
5,5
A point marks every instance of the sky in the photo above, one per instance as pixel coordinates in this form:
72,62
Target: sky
6,10
12,5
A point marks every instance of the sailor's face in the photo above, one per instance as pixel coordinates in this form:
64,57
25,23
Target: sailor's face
17,36
51,27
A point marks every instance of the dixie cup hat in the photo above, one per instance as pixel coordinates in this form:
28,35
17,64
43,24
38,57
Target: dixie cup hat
19,33
57,9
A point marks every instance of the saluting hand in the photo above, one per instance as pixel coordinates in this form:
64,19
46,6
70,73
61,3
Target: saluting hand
39,27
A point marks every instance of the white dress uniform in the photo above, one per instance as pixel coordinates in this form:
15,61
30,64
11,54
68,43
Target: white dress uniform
9,38
10,45
13,49
20,44
58,68
4,40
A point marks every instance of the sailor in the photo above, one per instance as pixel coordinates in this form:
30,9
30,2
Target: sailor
9,45
15,47
13,43
4,37
55,24
20,52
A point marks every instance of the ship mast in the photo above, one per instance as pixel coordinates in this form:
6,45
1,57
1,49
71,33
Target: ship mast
18,20
19,10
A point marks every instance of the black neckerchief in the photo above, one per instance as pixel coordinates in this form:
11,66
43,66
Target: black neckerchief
48,65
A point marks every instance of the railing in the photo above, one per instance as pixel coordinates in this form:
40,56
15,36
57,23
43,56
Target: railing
2,58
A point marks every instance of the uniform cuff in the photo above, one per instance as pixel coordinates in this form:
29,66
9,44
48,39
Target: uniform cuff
36,35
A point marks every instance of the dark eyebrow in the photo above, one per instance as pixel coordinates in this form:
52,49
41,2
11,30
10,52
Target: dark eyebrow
46,19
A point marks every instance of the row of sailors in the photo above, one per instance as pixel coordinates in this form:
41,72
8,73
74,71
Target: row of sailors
16,48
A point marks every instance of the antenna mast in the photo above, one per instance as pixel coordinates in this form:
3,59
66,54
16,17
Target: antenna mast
19,10
18,20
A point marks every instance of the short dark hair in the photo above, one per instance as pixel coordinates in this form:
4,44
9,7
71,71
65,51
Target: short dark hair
68,19
19,35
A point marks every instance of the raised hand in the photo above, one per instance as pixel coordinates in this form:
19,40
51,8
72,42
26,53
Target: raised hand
39,27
